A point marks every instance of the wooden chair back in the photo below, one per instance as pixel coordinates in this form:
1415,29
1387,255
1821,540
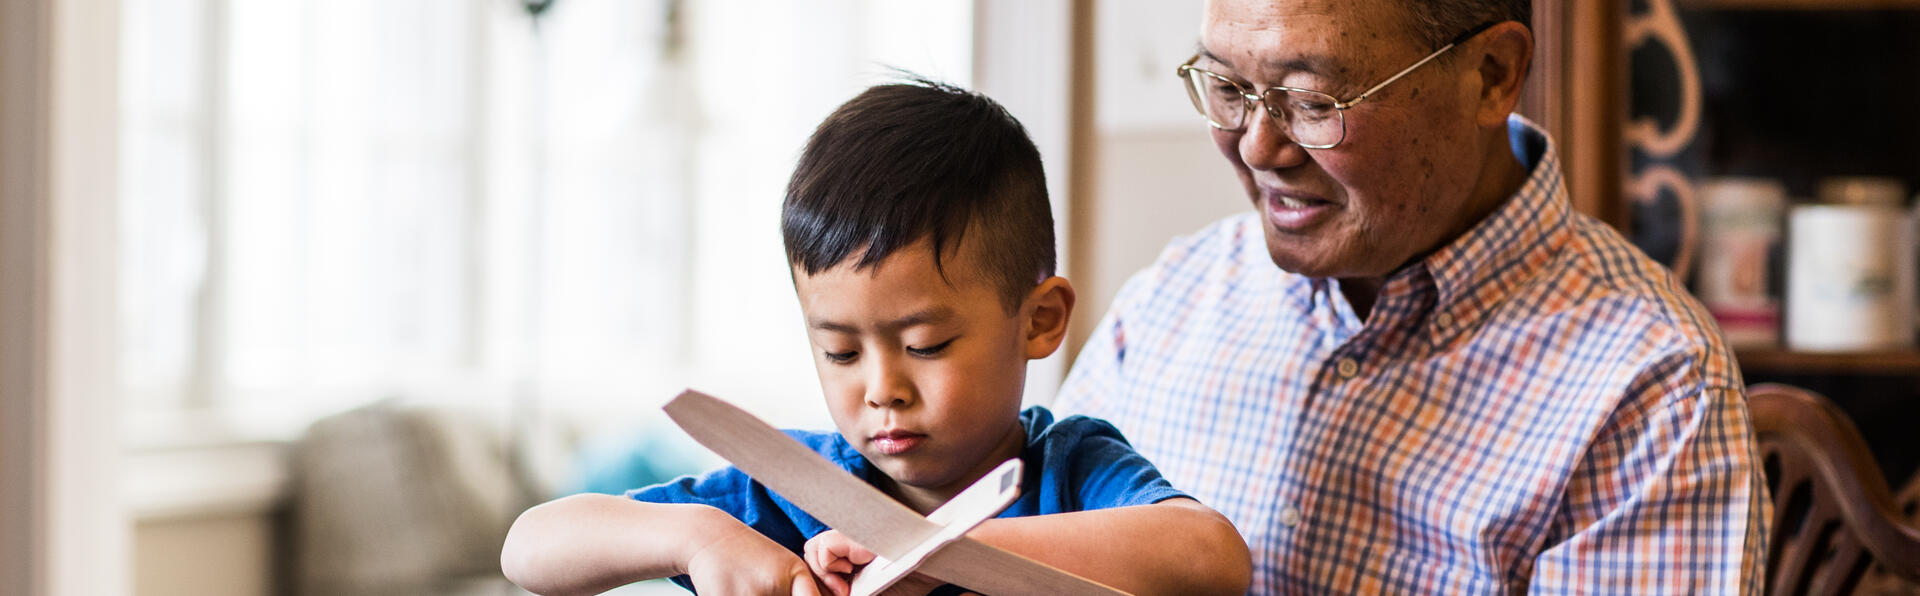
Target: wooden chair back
1833,515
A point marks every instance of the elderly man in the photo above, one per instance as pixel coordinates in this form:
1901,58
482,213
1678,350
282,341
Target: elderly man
1413,368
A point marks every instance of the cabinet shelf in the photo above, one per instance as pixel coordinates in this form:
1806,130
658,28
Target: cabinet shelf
1775,360
1798,4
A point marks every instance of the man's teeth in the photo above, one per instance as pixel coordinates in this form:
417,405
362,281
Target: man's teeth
1292,203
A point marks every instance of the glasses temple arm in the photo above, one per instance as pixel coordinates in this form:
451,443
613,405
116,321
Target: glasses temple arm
1396,76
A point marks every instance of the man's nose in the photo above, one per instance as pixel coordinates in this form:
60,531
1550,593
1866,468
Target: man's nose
1266,144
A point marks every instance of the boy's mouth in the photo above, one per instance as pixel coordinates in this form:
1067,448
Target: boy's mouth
895,442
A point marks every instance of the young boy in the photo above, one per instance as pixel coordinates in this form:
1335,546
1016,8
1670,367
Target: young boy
921,245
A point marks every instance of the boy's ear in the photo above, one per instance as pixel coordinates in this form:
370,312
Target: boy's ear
1048,308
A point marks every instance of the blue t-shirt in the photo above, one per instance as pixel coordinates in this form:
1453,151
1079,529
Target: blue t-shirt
1075,464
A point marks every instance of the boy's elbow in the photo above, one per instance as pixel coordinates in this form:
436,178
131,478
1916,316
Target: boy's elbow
528,557
1234,561
518,553
1229,564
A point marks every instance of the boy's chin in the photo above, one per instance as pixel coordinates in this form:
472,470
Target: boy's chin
916,474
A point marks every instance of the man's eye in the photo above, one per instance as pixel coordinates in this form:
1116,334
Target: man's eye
1313,107
930,351
841,357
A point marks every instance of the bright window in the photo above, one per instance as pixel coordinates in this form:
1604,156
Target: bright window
326,202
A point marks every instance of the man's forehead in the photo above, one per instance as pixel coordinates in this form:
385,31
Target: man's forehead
1318,36
1275,8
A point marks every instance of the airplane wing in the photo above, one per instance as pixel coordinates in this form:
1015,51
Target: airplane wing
822,489
983,499
869,517
982,568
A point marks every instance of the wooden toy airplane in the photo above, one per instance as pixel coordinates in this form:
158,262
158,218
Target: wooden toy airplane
935,545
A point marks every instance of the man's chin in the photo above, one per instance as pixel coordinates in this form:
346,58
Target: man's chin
1319,266
1301,260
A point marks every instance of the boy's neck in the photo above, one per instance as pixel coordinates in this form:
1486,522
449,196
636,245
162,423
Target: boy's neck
926,499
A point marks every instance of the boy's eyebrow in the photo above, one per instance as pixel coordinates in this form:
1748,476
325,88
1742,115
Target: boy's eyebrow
930,315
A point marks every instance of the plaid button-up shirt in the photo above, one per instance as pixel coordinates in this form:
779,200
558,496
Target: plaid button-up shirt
1537,406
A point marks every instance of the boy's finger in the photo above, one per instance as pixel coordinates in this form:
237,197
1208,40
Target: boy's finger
806,585
836,584
817,560
840,566
860,556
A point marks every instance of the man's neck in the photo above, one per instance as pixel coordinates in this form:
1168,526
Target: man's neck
1499,180
1361,292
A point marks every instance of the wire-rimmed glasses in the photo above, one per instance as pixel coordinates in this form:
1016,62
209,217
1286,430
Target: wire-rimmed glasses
1313,119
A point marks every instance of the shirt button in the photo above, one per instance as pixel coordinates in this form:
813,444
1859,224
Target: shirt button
1443,320
1348,367
1289,516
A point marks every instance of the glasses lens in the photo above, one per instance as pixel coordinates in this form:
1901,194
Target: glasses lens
1313,117
1217,98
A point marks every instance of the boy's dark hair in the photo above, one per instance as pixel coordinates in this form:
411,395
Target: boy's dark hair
921,159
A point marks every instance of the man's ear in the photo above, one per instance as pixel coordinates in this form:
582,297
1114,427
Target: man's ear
1504,52
1047,309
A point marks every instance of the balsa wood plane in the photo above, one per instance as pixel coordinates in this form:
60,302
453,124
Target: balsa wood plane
904,542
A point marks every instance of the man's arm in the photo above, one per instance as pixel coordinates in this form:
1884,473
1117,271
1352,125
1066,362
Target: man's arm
1176,546
588,544
1669,500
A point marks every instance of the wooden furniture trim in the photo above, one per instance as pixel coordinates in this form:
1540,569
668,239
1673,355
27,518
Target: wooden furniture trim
1813,444
1595,91
1899,362
1798,4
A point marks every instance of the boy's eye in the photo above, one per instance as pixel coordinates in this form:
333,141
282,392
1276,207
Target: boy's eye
841,357
930,351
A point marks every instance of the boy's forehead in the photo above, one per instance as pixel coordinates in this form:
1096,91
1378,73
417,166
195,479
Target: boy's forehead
931,315
905,286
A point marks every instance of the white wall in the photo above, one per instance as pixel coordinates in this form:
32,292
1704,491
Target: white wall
62,529
1154,172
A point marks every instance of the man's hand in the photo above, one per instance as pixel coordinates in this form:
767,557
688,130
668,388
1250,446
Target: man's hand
744,562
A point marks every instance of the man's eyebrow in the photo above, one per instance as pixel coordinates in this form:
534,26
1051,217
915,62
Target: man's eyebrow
1318,65
935,314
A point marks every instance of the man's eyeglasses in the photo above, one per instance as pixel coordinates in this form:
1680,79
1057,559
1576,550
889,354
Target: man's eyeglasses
1313,119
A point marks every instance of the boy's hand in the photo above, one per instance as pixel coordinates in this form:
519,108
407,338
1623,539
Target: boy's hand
835,559
744,562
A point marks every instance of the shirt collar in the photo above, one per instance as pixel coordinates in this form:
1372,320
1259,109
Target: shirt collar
1477,271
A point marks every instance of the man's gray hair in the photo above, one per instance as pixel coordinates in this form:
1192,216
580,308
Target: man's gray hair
1438,21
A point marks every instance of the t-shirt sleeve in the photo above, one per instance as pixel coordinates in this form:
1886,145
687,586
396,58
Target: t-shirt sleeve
1109,473
724,489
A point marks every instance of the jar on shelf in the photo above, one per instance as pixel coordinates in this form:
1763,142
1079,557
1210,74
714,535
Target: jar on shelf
1850,269
1739,229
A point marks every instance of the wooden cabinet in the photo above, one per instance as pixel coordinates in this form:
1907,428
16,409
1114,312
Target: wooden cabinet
1846,67
1583,90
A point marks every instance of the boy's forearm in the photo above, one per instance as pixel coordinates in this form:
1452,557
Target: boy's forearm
587,544
1172,547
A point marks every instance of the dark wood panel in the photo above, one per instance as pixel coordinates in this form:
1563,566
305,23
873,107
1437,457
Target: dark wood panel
1904,362
1796,4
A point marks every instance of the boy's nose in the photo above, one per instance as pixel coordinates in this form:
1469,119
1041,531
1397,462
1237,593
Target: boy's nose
886,399
888,389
